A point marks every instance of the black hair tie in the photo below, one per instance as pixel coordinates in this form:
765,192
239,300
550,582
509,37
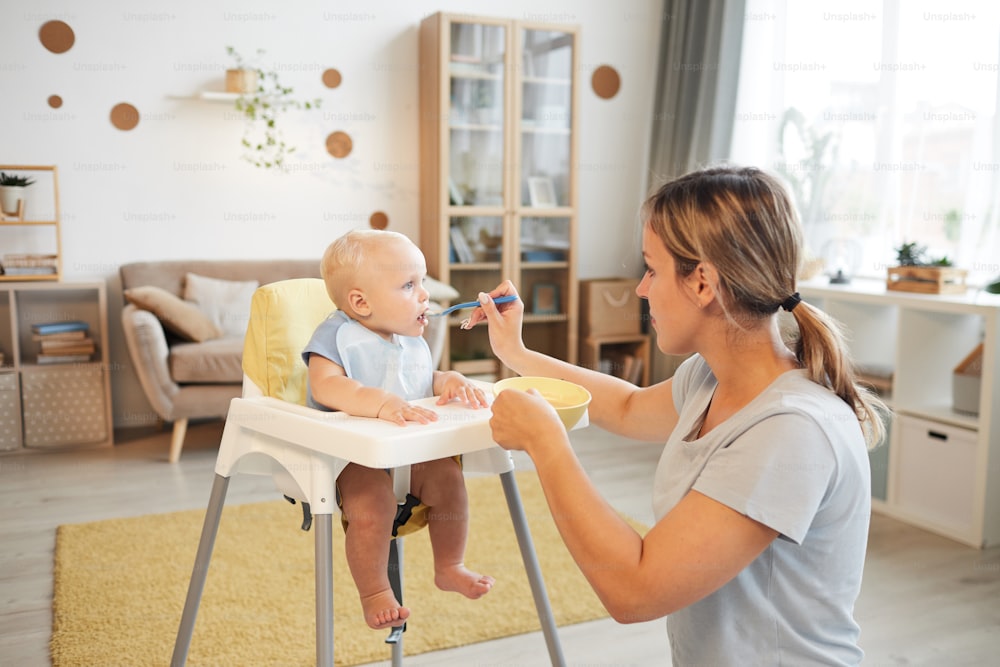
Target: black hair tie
792,301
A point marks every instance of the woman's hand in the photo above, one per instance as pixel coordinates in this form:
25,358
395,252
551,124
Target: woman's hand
504,321
525,421
455,386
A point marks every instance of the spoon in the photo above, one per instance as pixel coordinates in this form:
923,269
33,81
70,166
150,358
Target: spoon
471,304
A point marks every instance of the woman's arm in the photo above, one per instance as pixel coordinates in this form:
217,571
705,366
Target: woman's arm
690,553
617,406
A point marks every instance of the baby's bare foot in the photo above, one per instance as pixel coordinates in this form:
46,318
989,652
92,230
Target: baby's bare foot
382,611
457,579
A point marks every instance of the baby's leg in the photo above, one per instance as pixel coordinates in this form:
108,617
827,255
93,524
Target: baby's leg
441,486
369,506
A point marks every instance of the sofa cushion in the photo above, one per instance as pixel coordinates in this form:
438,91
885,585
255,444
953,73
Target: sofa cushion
181,317
226,302
212,362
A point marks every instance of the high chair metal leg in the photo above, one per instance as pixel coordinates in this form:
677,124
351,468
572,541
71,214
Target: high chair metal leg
205,545
395,637
527,546
324,589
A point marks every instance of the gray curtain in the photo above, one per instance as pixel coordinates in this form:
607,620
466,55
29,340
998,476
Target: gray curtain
695,102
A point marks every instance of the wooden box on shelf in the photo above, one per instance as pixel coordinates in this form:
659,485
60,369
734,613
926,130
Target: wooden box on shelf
926,279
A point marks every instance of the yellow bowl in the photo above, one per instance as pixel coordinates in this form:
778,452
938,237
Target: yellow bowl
570,400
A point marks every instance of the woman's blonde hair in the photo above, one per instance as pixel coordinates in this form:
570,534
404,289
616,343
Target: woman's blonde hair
742,222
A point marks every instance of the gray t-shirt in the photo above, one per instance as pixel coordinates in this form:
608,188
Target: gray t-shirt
794,459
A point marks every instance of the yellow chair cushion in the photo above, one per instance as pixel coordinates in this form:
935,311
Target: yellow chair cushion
283,317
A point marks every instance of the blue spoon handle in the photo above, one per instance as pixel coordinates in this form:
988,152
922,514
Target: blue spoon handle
473,304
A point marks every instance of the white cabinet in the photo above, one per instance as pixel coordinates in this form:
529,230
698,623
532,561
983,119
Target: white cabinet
941,470
53,405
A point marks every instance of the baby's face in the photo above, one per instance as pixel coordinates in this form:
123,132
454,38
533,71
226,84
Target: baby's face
394,285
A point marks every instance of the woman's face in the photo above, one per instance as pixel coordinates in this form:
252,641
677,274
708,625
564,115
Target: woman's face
673,309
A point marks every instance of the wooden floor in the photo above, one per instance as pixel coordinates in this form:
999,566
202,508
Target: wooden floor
926,600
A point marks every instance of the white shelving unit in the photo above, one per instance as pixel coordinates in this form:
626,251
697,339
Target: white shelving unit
941,468
58,405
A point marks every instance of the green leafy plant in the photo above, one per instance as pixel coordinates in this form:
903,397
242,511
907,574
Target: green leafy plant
914,254
14,180
263,141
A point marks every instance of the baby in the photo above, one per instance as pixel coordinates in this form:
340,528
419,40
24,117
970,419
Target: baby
369,359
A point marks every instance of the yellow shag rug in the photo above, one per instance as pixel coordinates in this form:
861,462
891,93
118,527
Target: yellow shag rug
120,587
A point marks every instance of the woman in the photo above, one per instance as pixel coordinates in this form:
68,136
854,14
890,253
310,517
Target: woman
762,493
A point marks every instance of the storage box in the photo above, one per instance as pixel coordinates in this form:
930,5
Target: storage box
936,477
966,381
63,405
10,411
609,307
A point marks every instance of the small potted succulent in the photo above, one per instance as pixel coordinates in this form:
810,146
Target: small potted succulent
12,193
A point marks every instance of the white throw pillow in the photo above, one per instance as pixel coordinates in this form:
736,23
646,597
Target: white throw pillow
225,302
440,291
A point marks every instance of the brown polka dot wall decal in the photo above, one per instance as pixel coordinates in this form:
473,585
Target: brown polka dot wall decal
55,101
605,82
331,78
378,220
56,36
339,144
124,116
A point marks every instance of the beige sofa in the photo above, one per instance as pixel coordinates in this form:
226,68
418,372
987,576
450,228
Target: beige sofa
187,368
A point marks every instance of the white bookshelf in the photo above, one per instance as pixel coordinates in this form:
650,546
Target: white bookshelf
941,468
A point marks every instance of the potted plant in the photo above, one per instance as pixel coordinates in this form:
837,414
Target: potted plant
12,193
915,272
263,141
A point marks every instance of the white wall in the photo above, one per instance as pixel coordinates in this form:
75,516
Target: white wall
175,186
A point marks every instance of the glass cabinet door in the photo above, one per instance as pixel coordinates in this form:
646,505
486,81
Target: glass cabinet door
546,122
476,117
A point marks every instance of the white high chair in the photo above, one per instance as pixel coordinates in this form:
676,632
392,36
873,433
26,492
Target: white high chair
269,431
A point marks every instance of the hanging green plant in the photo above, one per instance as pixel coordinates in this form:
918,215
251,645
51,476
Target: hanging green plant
263,141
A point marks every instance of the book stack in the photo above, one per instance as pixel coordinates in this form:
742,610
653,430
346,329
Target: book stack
460,249
623,365
30,265
63,342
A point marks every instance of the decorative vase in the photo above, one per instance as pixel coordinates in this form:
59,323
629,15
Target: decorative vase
12,200
241,80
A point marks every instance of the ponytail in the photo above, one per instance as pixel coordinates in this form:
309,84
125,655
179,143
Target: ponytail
821,350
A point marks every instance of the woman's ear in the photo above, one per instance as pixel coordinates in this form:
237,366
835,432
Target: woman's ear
359,303
703,281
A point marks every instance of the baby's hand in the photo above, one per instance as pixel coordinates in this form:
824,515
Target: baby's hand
456,386
398,411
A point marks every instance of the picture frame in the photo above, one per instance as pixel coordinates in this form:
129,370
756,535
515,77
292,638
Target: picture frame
545,299
541,192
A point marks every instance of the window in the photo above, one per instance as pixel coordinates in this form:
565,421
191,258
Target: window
882,118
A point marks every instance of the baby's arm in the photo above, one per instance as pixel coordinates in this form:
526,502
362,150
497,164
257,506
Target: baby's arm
331,387
450,385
